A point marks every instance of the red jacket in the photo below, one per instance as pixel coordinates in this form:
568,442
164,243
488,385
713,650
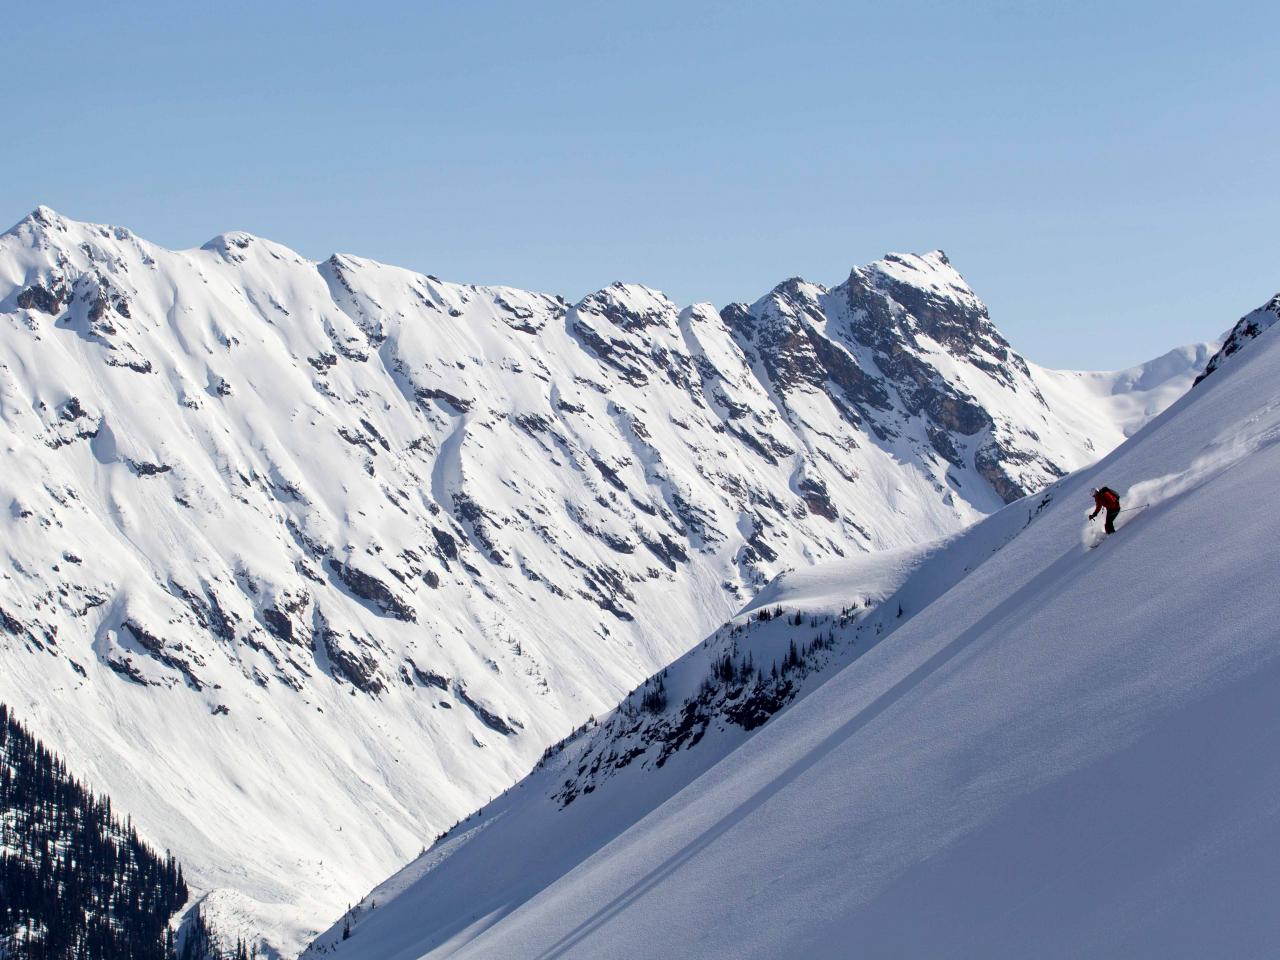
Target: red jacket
1106,499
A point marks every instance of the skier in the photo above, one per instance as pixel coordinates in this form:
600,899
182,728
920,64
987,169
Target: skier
1104,498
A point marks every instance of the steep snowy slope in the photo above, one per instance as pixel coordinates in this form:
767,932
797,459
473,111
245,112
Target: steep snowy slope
306,560
1004,745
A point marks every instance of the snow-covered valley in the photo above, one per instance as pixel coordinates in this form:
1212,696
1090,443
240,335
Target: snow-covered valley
308,560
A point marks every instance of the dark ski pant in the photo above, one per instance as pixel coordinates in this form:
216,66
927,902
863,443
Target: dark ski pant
1110,525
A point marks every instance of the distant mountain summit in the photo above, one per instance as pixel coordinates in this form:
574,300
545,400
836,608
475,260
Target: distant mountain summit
908,353
307,560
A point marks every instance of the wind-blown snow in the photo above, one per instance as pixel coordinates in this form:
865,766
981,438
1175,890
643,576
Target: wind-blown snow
305,561
1026,749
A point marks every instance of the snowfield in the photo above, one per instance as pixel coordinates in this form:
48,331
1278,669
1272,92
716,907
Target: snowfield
304,561
1001,745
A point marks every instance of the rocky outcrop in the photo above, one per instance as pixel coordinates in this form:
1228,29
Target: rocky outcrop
369,588
1247,328
485,715
348,657
47,299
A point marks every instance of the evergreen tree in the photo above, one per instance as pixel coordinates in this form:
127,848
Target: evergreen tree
75,882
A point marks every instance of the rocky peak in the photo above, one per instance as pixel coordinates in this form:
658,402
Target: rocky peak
630,306
796,290
904,349
41,229
231,246
630,328
45,227
39,220
904,295
792,302
46,217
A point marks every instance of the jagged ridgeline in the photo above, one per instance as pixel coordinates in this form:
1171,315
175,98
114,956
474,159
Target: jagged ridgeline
74,880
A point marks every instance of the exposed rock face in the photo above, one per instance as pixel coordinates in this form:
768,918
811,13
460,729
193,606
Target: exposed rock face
45,299
348,659
1249,326
485,715
370,588
904,348
384,538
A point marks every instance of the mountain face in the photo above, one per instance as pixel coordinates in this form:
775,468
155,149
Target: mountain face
1026,739
306,560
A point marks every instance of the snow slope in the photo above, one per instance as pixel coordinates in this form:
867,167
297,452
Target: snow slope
1001,745
1123,399
305,560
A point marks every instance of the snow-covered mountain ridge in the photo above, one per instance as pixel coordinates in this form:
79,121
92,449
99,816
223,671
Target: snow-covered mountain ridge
1247,328
1027,739
306,559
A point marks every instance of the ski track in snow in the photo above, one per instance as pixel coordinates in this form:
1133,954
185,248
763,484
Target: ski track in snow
1233,445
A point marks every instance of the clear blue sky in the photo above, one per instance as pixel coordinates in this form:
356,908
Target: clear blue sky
1104,174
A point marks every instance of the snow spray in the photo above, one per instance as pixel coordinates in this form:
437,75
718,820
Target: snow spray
1232,445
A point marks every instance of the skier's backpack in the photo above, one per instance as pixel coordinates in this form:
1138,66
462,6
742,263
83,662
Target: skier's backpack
1110,499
